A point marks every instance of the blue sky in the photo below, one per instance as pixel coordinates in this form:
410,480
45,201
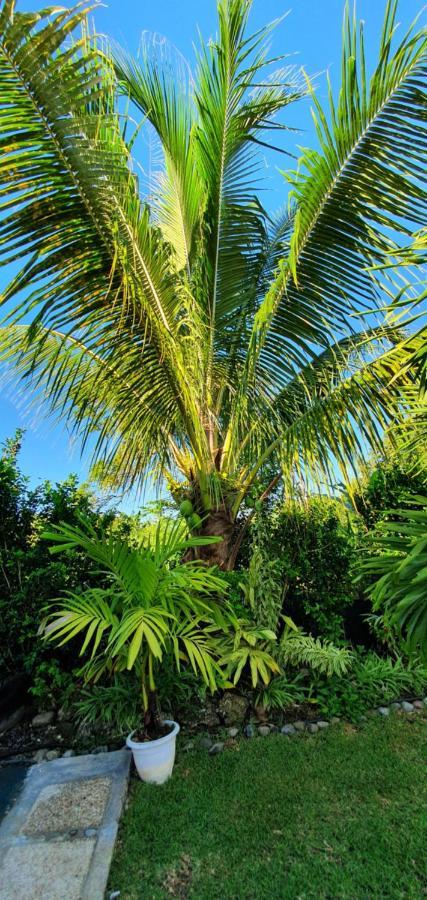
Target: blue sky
311,33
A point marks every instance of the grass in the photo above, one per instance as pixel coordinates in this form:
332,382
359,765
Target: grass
338,815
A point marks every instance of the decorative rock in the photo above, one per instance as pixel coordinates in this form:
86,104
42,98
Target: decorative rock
232,708
418,704
209,717
299,726
40,755
43,719
261,713
114,895
288,729
102,749
395,706
52,754
313,728
274,729
68,754
206,743
263,730
407,707
323,724
335,720
216,748
233,732
249,731
383,711
425,701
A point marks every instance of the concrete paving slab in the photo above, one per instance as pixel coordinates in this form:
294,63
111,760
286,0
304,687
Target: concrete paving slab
50,871
57,841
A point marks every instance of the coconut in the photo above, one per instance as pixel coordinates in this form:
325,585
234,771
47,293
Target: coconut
194,522
186,508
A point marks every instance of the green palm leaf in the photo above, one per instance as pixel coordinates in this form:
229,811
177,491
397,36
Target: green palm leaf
361,189
399,567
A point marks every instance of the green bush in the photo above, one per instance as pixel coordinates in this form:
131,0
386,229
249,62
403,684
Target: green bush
387,484
316,543
372,681
28,573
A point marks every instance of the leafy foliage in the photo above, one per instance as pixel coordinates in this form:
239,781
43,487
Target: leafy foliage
154,608
316,541
297,649
262,582
28,574
399,565
391,477
373,680
283,691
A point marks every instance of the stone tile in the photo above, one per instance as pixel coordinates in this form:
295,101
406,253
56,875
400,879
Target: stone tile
84,796
54,871
73,804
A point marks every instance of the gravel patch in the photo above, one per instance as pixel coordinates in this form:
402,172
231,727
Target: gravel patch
62,807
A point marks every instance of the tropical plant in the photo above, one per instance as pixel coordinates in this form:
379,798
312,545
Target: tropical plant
373,680
299,649
262,583
315,540
153,608
398,564
28,574
388,481
282,691
187,331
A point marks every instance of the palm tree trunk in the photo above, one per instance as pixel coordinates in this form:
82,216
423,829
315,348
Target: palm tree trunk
219,523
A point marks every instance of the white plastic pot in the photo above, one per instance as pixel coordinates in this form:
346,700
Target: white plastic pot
154,759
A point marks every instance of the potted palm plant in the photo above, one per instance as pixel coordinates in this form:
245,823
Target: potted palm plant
153,605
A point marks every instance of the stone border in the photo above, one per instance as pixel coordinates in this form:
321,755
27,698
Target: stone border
214,747
114,766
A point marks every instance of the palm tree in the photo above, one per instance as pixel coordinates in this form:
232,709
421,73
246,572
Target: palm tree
187,332
150,607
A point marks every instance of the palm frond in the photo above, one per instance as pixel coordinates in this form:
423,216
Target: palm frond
159,84
237,103
93,262
399,566
356,198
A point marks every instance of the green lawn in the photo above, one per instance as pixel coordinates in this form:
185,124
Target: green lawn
338,815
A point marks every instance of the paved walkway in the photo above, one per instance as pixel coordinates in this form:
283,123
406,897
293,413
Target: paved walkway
57,841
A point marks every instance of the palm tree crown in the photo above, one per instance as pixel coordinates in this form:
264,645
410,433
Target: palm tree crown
188,330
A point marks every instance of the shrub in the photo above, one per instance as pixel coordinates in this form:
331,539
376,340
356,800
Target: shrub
28,574
372,680
387,484
316,542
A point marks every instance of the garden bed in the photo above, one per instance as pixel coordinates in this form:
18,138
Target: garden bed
340,814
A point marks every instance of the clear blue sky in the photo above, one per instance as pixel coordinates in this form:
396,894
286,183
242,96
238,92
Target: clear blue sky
311,31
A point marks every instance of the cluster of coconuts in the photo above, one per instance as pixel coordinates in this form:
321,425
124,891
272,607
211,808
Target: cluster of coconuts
254,502
194,521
